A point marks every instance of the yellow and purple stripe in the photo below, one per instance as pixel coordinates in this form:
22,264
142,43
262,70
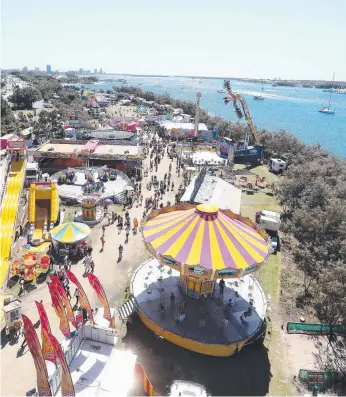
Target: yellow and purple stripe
212,240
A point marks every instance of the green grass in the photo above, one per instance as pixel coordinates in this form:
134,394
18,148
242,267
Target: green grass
251,203
269,275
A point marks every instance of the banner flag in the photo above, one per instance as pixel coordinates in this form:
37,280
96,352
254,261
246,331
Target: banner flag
47,348
59,310
95,283
31,338
67,388
65,300
83,299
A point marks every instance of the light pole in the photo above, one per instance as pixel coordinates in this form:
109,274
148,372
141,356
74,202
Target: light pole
198,97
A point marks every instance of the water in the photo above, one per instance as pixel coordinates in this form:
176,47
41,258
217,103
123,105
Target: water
295,110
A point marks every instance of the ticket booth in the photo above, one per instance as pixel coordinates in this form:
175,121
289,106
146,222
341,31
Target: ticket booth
196,281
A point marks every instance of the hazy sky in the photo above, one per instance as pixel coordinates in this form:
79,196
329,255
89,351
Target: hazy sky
298,39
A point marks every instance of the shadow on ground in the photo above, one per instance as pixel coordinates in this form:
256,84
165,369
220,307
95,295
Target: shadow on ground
247,374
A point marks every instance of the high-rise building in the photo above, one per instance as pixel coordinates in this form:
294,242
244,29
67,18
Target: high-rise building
95,71
81,71
37,69
100,70
25,69
88,71
49,69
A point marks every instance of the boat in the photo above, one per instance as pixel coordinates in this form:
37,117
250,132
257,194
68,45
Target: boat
221,91
260,96
327,109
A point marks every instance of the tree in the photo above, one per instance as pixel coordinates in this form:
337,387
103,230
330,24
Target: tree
329,294
8,121
49,126
23,98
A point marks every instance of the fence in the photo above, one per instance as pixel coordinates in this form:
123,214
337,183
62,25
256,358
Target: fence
315,329
84,332
55,378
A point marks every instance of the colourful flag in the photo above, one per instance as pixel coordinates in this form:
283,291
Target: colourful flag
64,298
83,299
47,348
67,388
31,338
59,310
95,283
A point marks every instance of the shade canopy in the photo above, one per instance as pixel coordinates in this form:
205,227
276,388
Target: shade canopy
206,236
69,233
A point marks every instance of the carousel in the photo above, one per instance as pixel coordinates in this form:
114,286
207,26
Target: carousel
91,211
179,294
71,239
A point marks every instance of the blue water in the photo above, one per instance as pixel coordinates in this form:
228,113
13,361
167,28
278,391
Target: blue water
283,107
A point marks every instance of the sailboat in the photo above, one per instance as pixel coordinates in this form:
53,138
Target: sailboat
260,96
327,109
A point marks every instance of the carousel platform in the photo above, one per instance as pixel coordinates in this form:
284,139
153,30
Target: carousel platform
74,192
207,328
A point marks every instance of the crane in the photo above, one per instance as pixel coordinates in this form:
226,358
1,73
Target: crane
244,152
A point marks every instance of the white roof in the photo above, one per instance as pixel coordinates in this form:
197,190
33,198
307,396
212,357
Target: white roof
7,136
215,191
99,369
278,161
212,158
27,131
32,166
169,125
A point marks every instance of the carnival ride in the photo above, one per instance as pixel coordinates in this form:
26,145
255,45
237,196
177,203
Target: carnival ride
9,208
43,210
174,294
244,153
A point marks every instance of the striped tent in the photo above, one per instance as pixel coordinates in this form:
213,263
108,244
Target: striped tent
68,233
206,236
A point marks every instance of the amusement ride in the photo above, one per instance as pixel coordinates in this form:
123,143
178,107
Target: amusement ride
176,294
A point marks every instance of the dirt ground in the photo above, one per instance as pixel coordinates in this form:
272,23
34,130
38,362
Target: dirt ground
255,371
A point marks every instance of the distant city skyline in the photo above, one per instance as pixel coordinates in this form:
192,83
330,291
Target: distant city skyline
291,40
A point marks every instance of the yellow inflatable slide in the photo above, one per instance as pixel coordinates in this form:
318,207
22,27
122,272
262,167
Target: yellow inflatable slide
43,209
9,211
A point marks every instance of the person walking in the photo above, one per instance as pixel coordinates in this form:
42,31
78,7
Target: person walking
87,261
68,293
24,343
103,230
135,225
222,286
92,266
76,295
102,239
127,236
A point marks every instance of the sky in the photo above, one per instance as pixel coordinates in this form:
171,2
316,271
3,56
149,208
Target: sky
296,39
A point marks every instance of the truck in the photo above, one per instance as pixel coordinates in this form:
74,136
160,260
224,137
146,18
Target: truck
277,165
268,220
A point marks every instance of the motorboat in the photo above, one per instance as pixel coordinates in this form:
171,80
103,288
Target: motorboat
221,91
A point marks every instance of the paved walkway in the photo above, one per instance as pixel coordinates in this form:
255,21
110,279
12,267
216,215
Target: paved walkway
18,373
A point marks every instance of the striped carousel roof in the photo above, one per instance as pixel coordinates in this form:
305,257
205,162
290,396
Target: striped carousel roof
206,236
71,232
